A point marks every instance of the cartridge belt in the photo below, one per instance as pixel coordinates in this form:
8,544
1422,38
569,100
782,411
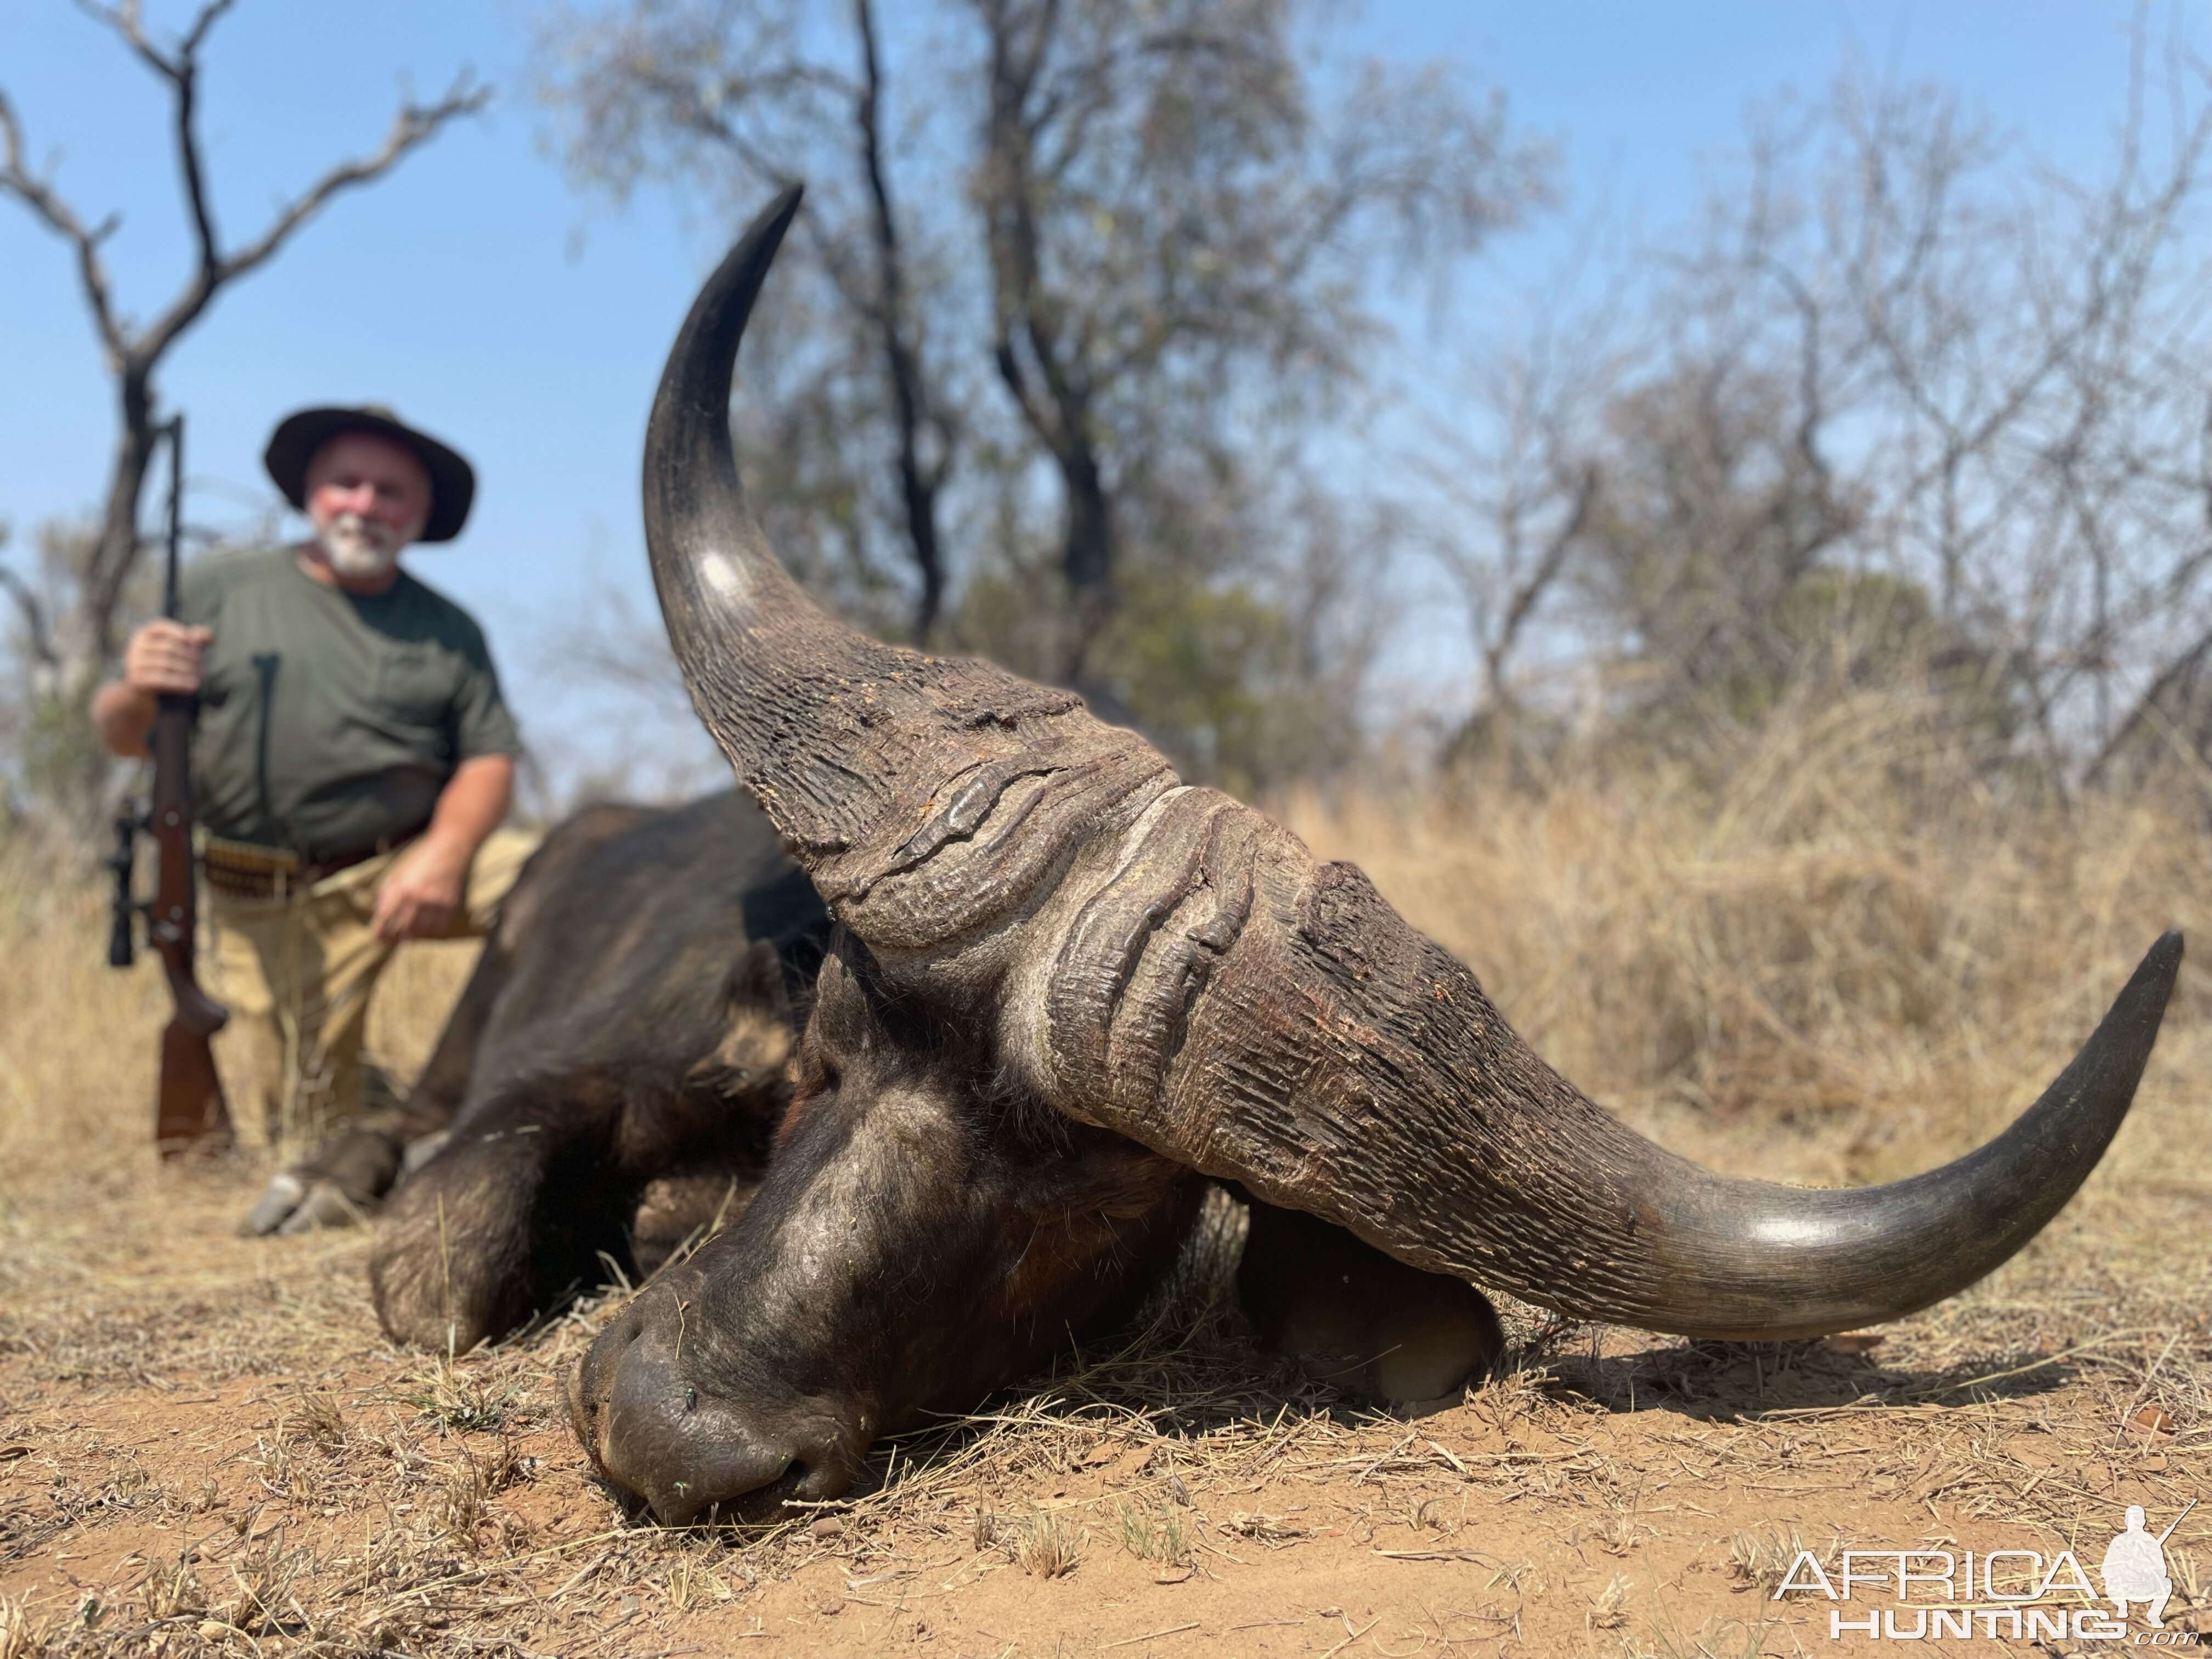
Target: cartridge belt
245,870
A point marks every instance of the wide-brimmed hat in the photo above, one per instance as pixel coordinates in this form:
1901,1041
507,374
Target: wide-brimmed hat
299,435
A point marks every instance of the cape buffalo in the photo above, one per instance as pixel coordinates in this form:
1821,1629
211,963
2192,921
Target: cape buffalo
607,1084
1062,982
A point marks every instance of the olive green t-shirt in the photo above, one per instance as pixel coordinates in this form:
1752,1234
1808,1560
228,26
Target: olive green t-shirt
329,721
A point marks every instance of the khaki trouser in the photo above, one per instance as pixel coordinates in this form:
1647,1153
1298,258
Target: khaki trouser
297,973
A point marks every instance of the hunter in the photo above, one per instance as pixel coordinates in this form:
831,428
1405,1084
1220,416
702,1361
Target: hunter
352,765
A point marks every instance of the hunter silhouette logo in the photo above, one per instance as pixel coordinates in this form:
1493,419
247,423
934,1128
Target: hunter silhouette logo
2005,1594
2134,1567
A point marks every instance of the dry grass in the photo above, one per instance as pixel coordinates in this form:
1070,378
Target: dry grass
1855,939
1851,959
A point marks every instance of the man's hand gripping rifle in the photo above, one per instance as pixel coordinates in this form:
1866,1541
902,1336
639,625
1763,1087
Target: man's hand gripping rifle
190,1109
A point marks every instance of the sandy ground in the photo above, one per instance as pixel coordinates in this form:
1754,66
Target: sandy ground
205,1446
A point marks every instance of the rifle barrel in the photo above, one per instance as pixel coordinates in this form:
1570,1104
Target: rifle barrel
2177,1520
175,430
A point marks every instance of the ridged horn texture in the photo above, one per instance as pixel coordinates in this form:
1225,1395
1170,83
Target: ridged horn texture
1161,961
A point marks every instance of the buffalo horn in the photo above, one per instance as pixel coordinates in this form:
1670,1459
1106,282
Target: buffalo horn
1161,961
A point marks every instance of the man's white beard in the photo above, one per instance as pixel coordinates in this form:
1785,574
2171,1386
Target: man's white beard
358,548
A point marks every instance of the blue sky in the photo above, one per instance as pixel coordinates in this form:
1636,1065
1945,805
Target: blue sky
477,294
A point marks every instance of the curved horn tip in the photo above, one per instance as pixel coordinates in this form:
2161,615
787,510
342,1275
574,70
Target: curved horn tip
2166,953
2152,982
775,218
729,294
691,489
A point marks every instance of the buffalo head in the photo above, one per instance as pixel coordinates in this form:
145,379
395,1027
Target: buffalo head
1063,981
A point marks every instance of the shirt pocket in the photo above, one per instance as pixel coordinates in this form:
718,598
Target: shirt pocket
415,684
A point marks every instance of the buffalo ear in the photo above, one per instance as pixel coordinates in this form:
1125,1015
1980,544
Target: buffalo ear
756,983
759,1041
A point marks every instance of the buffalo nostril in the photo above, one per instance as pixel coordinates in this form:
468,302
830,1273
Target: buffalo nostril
792,1483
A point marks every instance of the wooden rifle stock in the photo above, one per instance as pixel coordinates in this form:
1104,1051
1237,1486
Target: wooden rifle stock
190,1109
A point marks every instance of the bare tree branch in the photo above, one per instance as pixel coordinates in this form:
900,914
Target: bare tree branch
35,193
181,70
412,126
1524,595
918,483
35,629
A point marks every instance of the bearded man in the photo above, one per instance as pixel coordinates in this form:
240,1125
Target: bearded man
352,761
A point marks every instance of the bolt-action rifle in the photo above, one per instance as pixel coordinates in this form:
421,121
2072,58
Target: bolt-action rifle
190,1109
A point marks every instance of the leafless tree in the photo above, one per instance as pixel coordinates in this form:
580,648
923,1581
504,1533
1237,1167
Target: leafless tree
71,645
1515,484
1178,227
1896,357
2025,352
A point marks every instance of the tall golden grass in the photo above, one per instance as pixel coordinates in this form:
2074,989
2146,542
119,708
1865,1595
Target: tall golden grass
79,1050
